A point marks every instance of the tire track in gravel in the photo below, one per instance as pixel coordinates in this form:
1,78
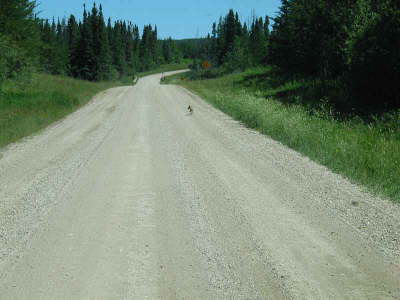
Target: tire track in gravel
132,198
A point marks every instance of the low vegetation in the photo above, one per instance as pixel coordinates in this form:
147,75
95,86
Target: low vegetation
365,152
90,48
30,104
28,107
349,48
332,92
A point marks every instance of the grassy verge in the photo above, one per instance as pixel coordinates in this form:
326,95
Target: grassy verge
25,110
367,154
167,68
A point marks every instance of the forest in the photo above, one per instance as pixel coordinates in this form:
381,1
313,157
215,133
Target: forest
88,47
321,77
346,52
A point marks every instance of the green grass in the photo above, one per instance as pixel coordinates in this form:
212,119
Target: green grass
367,154
167,68
27,109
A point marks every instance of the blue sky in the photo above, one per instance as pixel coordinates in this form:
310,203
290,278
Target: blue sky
176,18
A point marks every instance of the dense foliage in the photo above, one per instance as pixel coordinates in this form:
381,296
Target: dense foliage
365,153
346,51
354,44
86,48
18,38
234,45
93,50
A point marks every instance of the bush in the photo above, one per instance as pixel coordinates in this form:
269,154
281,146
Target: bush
114,74
236,60
365,153
14,62
353,44
374,57
206,74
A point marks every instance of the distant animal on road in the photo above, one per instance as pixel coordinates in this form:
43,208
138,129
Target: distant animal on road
190,109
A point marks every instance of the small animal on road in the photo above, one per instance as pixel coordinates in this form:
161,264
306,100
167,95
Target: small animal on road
190,109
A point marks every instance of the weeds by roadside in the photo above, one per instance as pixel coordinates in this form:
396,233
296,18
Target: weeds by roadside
366,153
27,108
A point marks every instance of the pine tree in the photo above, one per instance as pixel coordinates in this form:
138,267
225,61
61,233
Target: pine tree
82,57
258,42
104,48
238,26
61,52
19,39
136,48
46,47
72,41
214,44
148,48
89,49
19,24
118,49
230,32
266,27
100,67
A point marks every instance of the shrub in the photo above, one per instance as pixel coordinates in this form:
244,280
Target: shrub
14,62
374,57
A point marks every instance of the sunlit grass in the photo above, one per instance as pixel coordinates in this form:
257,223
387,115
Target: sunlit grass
25,109
367,154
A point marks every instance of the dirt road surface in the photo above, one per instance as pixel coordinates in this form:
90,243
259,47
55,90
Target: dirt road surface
133,198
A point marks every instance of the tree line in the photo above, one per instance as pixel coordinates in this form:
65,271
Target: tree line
353,44
234,45
88,48
348,48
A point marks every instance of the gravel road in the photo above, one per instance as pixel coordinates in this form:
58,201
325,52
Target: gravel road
133,198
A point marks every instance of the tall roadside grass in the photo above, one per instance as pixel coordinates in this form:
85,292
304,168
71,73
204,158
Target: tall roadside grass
33,106
366,153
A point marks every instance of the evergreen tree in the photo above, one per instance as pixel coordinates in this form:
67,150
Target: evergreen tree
373,56
238,26
100,47
82,57
266,27
170,51
236,59
46,47
72,42
19,38
235,45
136,47
230,32
88,50
352,45
148,48
214,44
118,49
19,24
129,50
61,46
258,42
